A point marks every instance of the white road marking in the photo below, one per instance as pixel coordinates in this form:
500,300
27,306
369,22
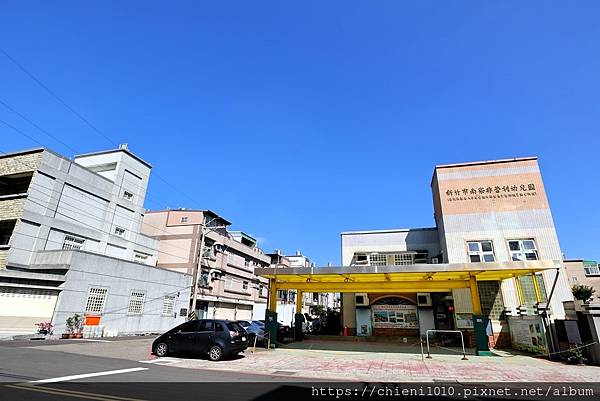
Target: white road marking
85,375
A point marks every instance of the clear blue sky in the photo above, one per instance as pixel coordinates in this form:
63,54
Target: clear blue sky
297,121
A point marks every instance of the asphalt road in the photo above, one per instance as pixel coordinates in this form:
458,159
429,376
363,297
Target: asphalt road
22,365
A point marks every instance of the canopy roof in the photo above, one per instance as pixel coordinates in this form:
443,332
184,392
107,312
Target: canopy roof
417,277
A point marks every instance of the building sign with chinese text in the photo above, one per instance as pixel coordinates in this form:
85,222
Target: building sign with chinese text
395,316
496,192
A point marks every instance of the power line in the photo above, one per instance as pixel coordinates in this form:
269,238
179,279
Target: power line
54,95
37,126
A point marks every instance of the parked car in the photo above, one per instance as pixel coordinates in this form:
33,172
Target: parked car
254,328
215,338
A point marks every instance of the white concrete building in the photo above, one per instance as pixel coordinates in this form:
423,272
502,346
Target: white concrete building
53,212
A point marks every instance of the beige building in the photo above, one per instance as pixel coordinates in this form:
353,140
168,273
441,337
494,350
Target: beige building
584,272
227,286
489,215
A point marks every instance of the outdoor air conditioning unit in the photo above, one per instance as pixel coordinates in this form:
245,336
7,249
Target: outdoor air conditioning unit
361,299
423,299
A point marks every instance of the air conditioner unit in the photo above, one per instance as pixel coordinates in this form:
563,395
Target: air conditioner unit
423,299
361,299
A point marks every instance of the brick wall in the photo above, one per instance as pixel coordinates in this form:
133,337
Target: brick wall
20,163
395,332
3,256
11,209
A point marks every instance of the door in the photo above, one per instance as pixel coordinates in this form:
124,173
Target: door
182,339
426,320
204,337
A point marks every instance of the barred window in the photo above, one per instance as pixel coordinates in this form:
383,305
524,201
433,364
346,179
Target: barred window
127,195
73,242
96,300
168,305
120,231
136,303
403,259
378,260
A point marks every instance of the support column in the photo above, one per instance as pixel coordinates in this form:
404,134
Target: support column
272,296
299,295
475,301
519,291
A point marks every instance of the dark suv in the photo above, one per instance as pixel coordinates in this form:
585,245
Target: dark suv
215,338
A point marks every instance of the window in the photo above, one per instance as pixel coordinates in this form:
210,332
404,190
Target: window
203,278
228,283
6,230
127,195
136,303
403,259
481,251
72,242
231,258
119,231
247,263
207,325
184,219
140,257
361,259
96,300
282,295
261,289
591,268
245,285
523,249
378,260
219,327
168,305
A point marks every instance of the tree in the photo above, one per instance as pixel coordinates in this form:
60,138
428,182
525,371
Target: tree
582,292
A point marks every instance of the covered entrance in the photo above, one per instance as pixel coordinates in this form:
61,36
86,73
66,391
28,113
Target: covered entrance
405,300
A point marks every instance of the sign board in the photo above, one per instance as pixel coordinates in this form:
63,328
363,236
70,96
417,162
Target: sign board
395,316
464,320
527,334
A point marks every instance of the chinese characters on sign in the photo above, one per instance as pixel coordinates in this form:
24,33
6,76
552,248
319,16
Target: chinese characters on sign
495,192
395,316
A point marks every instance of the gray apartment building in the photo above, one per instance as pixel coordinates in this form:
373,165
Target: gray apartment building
198,242
70,242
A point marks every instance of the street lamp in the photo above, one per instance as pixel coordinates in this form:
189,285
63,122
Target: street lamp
201,257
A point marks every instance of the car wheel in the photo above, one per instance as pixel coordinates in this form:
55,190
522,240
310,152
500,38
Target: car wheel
161,350
215,353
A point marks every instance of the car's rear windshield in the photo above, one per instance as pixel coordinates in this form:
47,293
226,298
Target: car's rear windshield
235,326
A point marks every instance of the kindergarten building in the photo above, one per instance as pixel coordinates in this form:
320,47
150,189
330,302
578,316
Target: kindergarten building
493,252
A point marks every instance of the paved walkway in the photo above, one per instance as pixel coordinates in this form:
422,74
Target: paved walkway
353,361
313,359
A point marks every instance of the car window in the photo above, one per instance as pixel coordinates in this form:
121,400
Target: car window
235,326
244,323
207,325
188,327
218,326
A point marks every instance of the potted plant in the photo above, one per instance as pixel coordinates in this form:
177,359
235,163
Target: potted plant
78,321
576,356
70,323
44,328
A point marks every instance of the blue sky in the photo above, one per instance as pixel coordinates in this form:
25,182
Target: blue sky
299,120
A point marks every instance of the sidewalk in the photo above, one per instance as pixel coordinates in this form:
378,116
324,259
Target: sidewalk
311,359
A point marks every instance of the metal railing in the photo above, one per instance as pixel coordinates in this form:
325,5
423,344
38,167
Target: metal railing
462,340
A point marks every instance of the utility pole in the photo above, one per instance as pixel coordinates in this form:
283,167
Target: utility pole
198,270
